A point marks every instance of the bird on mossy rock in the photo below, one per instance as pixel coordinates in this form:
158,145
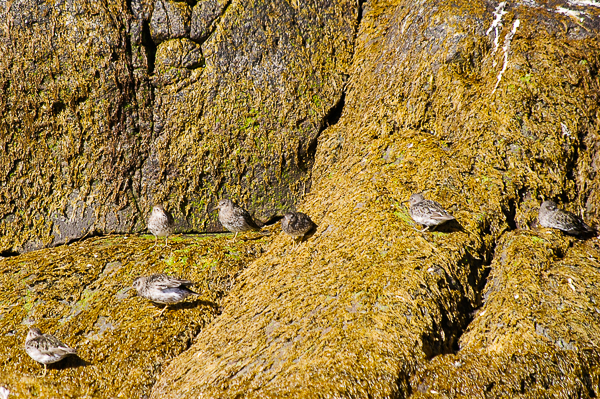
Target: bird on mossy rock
551,216
427,212
46,348
297,224
235,218
160,224
164,289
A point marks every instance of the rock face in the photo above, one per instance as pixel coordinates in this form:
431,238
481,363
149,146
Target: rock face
487,107
104,116
467,101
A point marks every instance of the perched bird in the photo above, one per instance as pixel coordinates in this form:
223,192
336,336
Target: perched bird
297,224
163,289
46,348
427,212
550,216
235,218
160,223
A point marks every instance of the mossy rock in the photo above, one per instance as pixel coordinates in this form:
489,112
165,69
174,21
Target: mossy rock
368,306
486,108
170,20
98,125
82,294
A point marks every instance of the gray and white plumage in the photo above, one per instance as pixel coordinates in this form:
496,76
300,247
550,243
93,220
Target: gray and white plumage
297,224
428,213
551,216
235,218
46,348
164,289
160,223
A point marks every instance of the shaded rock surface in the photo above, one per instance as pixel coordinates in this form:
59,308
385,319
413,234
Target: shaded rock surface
170,20
204,15
108,110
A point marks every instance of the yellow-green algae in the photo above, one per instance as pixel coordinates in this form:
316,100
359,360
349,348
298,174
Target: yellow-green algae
244,124
81,293
66,136
537,334
368,307
89,142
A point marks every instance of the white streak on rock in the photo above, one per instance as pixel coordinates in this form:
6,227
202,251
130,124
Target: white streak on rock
506,49
570,13
584,3
496,25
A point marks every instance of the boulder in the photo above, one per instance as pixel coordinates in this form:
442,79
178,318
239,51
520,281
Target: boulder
342,110
204,16
100,124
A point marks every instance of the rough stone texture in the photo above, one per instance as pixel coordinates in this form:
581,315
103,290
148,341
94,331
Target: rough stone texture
99,122
75,123
178,53
204,16
175,59
487,107
246,125
82,293
539,323
368,307
170,20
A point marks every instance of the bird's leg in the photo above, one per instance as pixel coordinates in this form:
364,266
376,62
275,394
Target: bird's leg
45,370
155,241
166,241
162,311
234,237
424,230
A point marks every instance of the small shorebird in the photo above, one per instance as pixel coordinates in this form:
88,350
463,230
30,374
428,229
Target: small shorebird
297,224
235,218
164,289
551,216
160,224
427,212
46,348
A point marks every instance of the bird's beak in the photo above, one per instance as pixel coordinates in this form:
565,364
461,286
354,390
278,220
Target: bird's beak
213,209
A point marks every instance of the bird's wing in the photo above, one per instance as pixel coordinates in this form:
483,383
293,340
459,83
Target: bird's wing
51,345
162,281
574,222
436,211
249,220
305,223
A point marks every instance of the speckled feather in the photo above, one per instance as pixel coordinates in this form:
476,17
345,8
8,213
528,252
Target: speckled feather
297,224
46,348
427,212
235,218
551,216
160,222
162,288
